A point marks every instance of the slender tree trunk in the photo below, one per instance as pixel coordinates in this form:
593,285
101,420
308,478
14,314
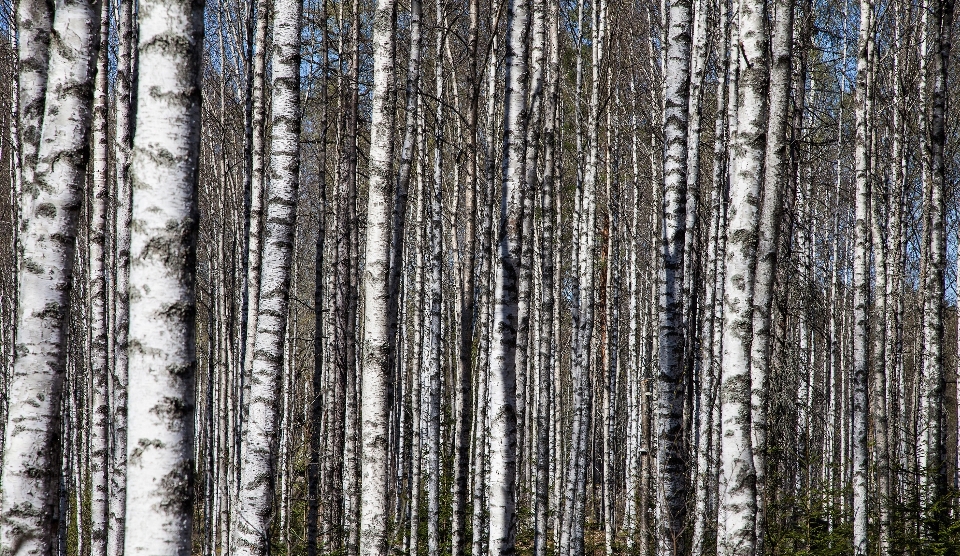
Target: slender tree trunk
348,253
611,354
254,223
547,340
880,223
503,340
259,451
461,484
525,278
570,482
692,235
893,317
123,143
434,351
320,397
399,211
481,429
163,256
418,342
98,323
861,279
709,365
34,19
776,175
738,504
933,452
376,343
51,192
671,456
631,472
878,389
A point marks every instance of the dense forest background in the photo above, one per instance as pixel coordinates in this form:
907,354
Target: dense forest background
854,245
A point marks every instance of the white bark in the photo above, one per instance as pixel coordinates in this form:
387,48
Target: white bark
671,456
776,174
259,451
418,354
633,372
545,367
481,429
692,237
376,343
399,210
50,203
162,360
434,343
257,189
34,18
611,350
933,456
98,268
503,338
878,388
709,365
738,498
861,280
122,147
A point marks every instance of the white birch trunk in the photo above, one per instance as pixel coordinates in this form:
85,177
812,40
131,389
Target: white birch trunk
259,451
692,236
631,471
503,338
34,18
546,345
878,388
417,290
776,174
481,430
98,268
51,193
611,353
164,172
257,188
861,280
376,343
738,498
709,365
122,146
399,210
434,344
933,448
671,456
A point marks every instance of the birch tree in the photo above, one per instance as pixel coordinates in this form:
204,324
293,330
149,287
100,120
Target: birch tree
503,340
34,19
99,321
162,359
259,451
547,22
671,459
123,143
932,454
773,278
433,304
51,193
376,344
861,279
257,186
774,184
467,293
738,492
